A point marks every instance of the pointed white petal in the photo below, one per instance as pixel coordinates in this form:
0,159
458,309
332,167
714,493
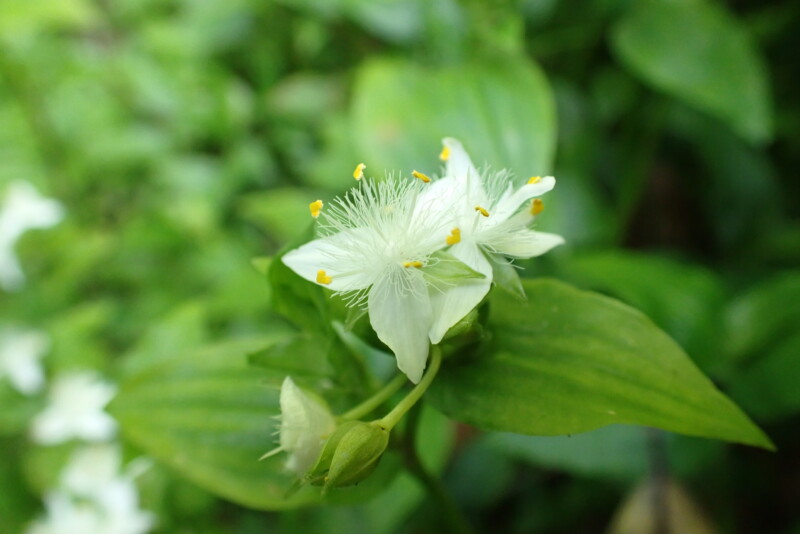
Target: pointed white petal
337,255
510,202
305,425
452,304
525,243
458,164
402,321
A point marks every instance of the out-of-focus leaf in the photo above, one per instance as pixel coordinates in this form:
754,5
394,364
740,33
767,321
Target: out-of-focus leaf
17,506
618,452
568,361
503,112
766,314
281,213
696,51
19,16
769,387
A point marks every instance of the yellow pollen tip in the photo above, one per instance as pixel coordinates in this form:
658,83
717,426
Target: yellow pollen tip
444,155
535,179
416,264
359,172
482,211
418,175
315,208
323,278
454,237
537,206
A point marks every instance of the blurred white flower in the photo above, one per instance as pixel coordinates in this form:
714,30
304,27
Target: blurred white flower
306,423
75,410
489,225
22,209
378,246
21,352
94,497
66,516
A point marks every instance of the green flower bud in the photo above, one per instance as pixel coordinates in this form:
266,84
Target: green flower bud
350,455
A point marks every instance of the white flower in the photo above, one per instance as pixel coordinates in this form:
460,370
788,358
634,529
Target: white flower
66,516
23,209
94,497
380,245
488,225
21,352
75,410
306,424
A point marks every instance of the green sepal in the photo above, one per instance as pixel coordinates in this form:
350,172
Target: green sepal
443,269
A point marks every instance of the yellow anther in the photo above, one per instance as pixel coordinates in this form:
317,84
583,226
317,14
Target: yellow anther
416,264
454,237
315,208
535,179
420,176
359,172
482,211
323,278
444,155
537,206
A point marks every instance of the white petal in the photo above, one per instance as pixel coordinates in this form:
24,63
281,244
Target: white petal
305,425
458,164
525,243
402,321
451,305
510,202
337,255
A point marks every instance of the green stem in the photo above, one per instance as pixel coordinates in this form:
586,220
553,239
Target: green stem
377,399
392,418
452,518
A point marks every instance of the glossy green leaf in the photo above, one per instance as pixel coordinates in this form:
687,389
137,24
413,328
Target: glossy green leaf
568,361
698,52
503,112
209,417
686,300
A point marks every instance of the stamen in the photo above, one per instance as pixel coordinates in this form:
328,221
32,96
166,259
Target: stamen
359,172
454,237
537,206
535,179
482,211
323,278
416,264
315,208
420,176
444,155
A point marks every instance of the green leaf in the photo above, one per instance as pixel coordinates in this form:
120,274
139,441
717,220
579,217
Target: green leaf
568,361
696,51
209,417
503,112
686,301
768,387
766,314
617,452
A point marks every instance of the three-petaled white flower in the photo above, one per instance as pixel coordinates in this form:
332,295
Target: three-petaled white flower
22,209
491,221
21,352
75,410
306,424
380,244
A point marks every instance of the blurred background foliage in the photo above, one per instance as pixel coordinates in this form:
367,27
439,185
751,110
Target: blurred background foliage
186,137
